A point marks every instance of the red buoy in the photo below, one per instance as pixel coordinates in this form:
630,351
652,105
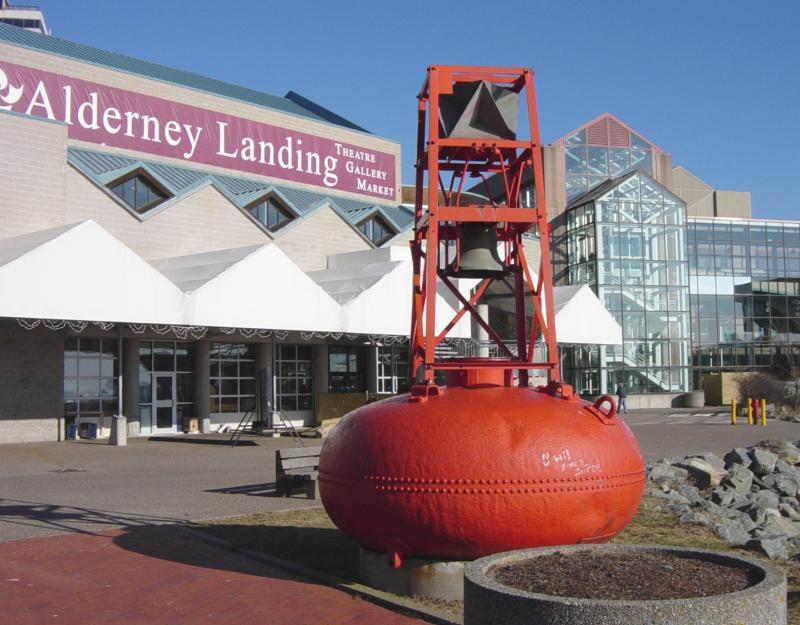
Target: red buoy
486,464
475,471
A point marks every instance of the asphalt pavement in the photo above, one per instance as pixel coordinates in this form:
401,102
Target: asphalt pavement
81,486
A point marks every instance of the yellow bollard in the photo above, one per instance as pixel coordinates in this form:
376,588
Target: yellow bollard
749,411
733,412
763,413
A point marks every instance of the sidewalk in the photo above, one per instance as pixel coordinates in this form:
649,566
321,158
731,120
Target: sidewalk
157,575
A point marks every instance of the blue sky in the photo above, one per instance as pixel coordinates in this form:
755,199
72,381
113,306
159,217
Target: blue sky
716,84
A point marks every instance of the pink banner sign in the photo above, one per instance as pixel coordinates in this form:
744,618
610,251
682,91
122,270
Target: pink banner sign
125,119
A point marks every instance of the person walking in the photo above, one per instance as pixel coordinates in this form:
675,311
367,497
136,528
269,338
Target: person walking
622,398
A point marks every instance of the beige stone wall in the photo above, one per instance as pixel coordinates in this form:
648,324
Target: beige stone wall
200,222
733,204
32,174
147,86
555,180
309,242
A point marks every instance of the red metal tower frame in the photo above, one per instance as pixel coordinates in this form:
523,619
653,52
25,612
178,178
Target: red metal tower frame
438,216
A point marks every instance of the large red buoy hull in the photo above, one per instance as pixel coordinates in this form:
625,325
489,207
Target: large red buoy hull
476,471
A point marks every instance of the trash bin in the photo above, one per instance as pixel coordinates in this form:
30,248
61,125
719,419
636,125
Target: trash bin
71,433
88,430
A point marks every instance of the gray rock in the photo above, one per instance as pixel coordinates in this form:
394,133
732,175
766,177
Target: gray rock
763,461
756,512
766,499
739,478
666,476
695,517
784,467
791,501
676,498
782,484
714,461
789,512
677,508
775,548
777,526
789,452
703,473
723,496
737,456
732,533
690,493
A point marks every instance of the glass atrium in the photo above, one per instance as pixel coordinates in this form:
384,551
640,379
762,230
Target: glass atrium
627,238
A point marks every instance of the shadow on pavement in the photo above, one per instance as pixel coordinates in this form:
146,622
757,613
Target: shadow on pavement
202,441
71,519
254,490
321,548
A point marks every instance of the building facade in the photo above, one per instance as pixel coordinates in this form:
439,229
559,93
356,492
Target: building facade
150,217
696,283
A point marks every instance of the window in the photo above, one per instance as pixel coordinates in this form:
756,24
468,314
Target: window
233,377
293,369
376,230
139,192
392,369
270,212
344,371
90,377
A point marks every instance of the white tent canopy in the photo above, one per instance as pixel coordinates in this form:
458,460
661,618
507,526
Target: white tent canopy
81,272
582,318
252,287
374,288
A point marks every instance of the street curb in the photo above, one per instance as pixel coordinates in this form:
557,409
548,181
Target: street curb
383,599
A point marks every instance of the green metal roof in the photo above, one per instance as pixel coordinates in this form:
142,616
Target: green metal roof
103,168
62,47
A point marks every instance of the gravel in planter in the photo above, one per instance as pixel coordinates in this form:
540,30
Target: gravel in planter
755,595
637,575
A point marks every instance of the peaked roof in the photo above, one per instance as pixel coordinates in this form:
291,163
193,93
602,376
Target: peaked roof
103,167
194,270
88,54
607,185
15,247
609,126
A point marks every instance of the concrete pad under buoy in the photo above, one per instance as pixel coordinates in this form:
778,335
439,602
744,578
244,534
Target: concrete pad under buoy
415,577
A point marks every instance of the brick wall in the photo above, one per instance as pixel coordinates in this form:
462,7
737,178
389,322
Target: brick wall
324,232
31,383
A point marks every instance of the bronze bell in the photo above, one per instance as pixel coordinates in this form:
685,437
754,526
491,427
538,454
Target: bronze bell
477,244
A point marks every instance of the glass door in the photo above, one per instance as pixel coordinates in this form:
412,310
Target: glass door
164,402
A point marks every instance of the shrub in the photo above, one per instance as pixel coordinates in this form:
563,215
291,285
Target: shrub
762,386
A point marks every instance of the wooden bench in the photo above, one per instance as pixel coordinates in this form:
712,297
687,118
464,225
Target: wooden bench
296,469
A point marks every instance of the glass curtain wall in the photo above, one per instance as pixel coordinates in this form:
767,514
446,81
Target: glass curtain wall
745,295
629,244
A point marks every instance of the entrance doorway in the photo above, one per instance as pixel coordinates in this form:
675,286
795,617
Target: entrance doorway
164,402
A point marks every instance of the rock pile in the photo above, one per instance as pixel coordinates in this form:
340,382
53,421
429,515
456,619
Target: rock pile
748,499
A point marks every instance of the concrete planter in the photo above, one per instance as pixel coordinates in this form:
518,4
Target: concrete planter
487,602
696,399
